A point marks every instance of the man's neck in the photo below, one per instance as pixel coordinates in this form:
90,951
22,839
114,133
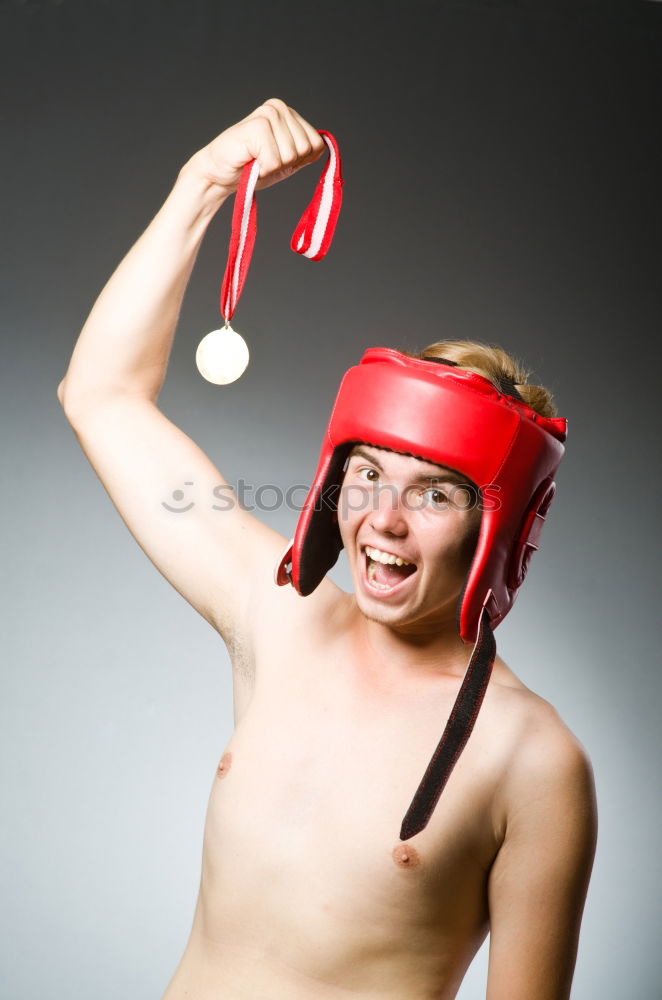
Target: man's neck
421,651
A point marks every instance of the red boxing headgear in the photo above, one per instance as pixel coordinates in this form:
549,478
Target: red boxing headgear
450,417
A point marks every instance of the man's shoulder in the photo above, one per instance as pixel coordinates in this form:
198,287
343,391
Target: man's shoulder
545,757
525,714
543,735
539,723
549,759
279,620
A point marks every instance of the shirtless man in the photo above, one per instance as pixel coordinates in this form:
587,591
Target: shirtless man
306,890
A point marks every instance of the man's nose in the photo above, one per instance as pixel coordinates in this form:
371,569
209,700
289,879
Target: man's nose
388,514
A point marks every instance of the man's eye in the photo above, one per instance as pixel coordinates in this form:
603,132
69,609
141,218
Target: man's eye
369,473
437,496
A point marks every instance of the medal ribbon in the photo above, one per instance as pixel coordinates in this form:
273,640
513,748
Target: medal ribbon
311,238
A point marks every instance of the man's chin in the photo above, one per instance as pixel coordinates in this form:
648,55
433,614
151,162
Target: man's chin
407,618
383,616
383,613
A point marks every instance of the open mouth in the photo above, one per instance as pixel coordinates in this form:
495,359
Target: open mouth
384,572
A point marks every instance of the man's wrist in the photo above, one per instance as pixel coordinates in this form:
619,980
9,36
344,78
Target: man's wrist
195,184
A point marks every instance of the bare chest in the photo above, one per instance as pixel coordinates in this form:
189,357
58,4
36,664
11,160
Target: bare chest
302,830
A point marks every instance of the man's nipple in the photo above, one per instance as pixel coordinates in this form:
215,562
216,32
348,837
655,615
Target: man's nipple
406,856
225,764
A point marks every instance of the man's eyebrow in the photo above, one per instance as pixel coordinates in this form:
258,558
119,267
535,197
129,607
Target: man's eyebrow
365,454
444,475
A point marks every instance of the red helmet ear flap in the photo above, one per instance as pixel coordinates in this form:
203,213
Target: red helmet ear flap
528,537
317,542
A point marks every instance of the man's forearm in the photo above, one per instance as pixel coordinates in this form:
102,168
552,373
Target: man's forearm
126,340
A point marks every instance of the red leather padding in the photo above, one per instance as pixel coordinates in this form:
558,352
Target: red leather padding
454,418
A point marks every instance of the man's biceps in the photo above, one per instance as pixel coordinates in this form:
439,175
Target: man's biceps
538,883
551,832
534,925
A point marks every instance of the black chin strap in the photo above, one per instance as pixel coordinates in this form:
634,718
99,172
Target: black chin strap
457,732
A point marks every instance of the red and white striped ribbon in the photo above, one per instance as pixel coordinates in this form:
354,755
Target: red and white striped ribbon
311,238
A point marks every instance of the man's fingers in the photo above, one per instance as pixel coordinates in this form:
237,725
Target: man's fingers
284,138
307,141
285,141
263,145
315,140
310,144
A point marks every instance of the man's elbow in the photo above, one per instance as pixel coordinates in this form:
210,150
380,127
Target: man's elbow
60,393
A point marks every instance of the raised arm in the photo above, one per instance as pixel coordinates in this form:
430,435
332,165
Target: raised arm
216,558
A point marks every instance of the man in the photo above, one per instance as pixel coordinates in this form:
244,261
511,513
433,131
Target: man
307,890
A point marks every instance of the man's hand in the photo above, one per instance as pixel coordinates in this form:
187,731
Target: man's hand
274,134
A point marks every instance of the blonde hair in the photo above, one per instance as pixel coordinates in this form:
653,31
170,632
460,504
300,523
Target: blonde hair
493,363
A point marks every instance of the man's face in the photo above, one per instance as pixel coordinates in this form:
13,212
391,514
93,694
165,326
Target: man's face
396,505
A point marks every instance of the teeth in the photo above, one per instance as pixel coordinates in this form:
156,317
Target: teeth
372,569
386,557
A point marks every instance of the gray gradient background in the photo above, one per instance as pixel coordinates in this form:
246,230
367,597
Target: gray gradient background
502,165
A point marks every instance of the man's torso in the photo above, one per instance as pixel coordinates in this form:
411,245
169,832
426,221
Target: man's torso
306,889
